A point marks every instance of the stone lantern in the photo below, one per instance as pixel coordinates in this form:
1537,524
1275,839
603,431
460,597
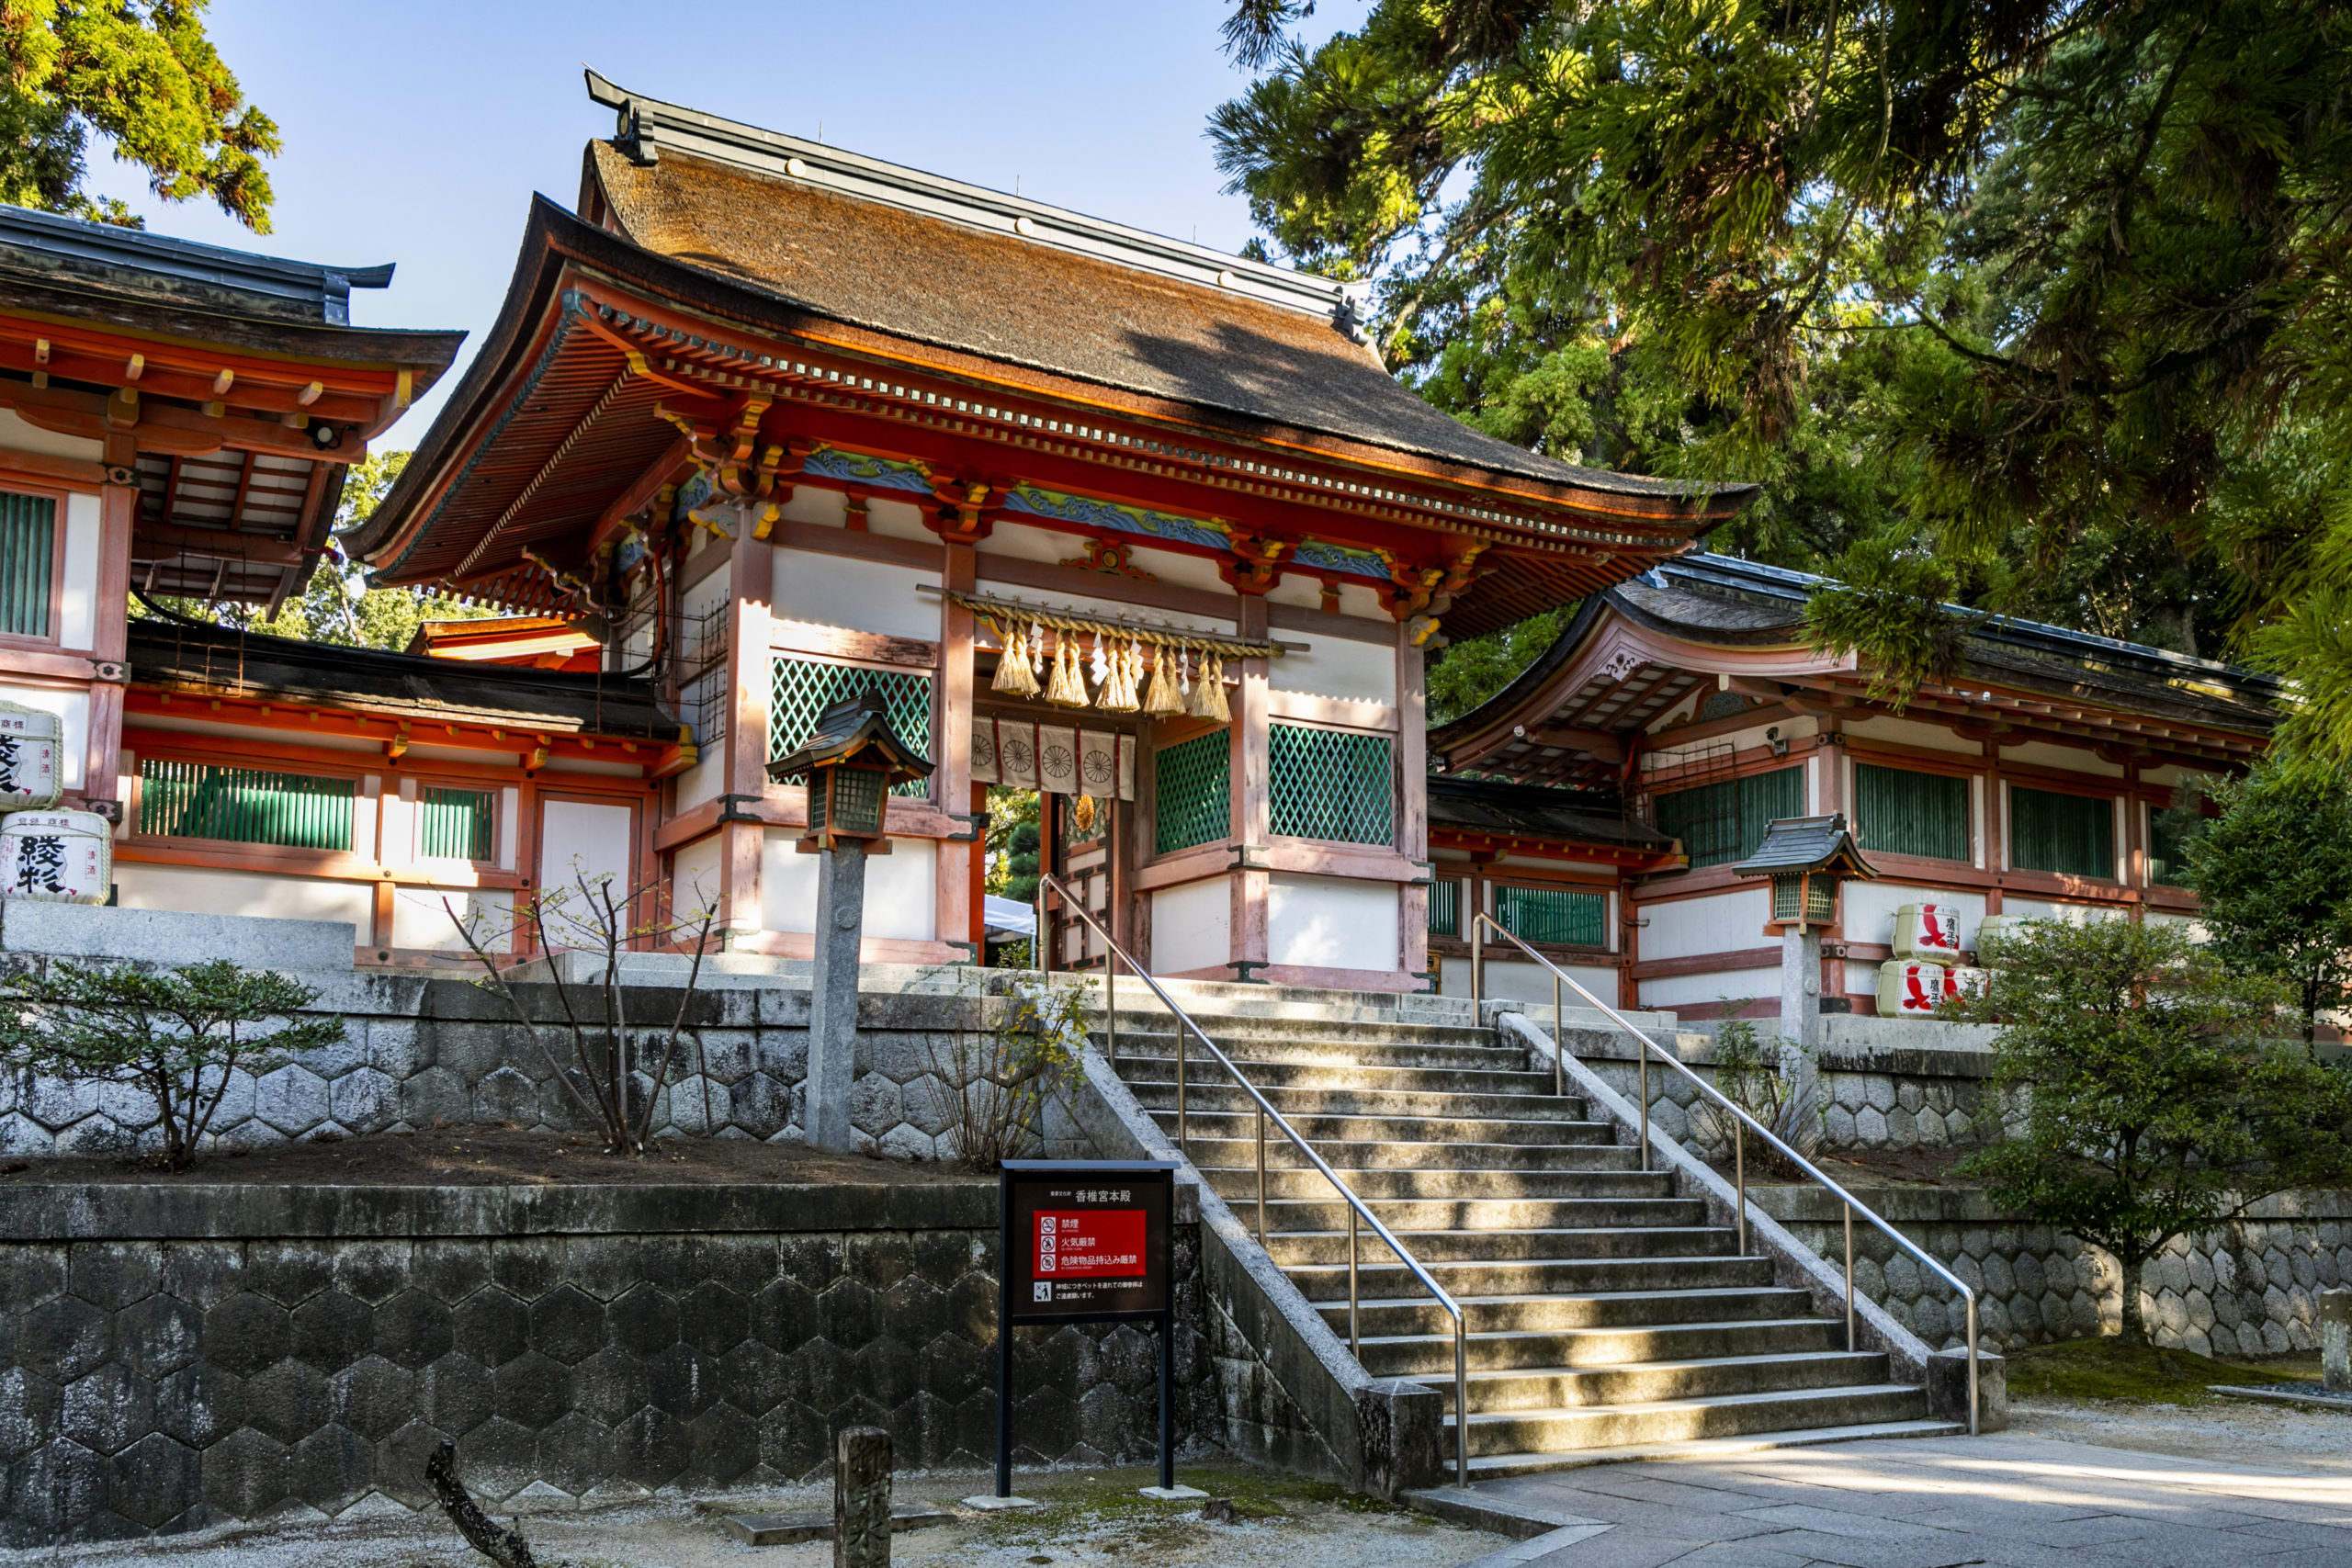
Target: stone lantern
852,762
1808,860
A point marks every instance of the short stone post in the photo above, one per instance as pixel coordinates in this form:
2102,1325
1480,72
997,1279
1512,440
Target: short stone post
862,1498
2335,1340
1800,1010
833,995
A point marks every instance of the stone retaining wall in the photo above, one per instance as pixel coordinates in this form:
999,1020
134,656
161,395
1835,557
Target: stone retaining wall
216,1353
2245,1289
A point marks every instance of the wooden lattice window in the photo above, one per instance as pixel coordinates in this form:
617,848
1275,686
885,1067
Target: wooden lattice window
2070,834
802,689
456,824
2169,830
1445,907
1911,814
1192,791
243,805
1331,783
1561,915
1723,822
27,563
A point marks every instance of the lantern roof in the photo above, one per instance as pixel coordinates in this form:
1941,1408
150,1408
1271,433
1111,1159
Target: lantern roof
846,730
1808,844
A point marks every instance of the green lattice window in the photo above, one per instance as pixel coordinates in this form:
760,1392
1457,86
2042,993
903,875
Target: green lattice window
1554,914
1445,907
804,689
2070,834
1329,783
456,824
2169,830
1911,814
1192,791
27,556
243,805
1722,822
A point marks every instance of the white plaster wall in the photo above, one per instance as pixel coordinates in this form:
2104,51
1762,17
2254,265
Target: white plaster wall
1720,922
2052,909
584,839
72,708
693,876
77,606
421,920
1358,597
2048,754
1191,926
247,892
1698,990
1869,909
902,900
701,782
1335,667
1912,732
19,436
1518,980
1330,922
862,595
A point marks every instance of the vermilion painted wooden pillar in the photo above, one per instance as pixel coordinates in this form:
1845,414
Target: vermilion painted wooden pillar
1252,803
117,510
960,890
750,675
1412,801
1996,838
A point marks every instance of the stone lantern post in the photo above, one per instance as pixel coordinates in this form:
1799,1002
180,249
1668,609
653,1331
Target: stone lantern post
1807,859
851,762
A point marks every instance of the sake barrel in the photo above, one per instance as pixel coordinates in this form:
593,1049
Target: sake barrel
1927,930
32,743
56,857
1993,930
1967,980
1908,987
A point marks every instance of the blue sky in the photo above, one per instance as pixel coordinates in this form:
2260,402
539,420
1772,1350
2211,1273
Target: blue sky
415,131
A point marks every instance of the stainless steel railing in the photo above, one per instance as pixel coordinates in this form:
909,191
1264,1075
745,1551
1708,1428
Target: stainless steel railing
1114,955
1741,1123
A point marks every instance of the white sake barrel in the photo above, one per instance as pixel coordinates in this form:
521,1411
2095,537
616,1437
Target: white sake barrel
1927,931
32,770
1967,981
56,857
1908,987
1991,931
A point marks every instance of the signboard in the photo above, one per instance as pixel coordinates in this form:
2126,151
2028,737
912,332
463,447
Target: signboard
1089,1240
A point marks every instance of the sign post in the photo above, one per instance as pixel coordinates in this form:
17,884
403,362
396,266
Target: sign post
1086,1241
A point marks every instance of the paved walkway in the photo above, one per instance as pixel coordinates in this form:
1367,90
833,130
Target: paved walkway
2004,1501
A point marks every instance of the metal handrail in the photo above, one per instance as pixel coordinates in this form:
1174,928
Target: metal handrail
1356,1208
1741,1121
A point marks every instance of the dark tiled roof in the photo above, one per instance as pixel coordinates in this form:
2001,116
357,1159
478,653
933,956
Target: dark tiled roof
932,280
1805,843
1483,806
172,653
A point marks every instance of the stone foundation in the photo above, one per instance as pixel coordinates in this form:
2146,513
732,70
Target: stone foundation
230,1353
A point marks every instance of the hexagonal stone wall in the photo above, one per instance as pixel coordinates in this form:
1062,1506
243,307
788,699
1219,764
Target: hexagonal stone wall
155,1387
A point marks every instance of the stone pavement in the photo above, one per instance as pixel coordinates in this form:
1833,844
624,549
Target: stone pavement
2006,1501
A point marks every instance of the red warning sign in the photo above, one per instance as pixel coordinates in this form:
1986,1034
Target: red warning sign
1089,1244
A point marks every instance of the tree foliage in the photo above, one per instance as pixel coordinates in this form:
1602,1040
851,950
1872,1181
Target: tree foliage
2153,1105
176,1036
2049,293
142,76
1471,671
2274,875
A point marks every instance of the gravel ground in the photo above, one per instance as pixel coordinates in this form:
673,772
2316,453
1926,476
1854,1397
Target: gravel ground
1091,1519
2235,1432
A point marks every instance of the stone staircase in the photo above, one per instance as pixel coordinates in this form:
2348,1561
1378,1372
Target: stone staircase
1607,1318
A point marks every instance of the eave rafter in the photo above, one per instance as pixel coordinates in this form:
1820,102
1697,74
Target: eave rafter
395,727
216,379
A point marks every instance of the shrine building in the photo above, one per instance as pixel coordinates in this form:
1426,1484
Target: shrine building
1144,528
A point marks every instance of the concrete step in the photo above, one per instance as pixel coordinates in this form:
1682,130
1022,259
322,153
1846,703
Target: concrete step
1210,1127
1218,1092
1327,1050
1432,1355
1400,1313
1495,1391
1566,1276
1298,1249
1478,1215
1552,1431
1499,1467
1442,1184
1379,1154
1270,1075
1250,1032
